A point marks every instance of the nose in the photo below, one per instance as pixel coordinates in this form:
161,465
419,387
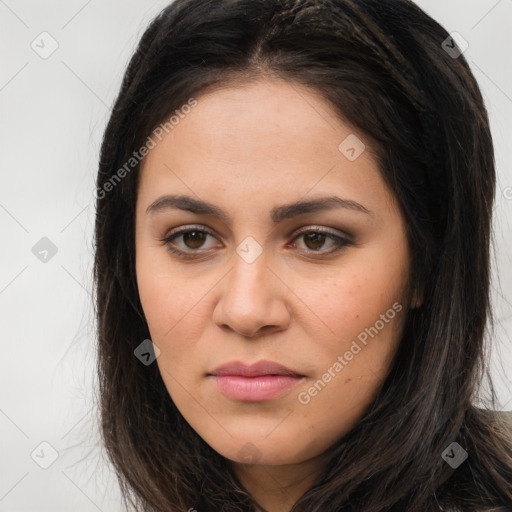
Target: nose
253,299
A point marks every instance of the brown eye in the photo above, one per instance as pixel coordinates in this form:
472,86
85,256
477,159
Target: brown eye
191,241
314,240
194,239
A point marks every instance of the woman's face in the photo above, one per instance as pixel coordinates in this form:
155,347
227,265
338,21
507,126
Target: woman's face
254,282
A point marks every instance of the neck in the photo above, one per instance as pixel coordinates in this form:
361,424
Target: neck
277,488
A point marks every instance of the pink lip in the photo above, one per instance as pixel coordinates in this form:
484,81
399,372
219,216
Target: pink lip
254,370
261,381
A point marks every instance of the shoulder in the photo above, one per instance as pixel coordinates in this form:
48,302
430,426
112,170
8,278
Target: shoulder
507,417
497,418
491,509
489,435
498,509
503,419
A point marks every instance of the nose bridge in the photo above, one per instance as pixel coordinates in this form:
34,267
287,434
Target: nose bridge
250,297
248,284
250,264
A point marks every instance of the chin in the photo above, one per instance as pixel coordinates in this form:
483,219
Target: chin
265,451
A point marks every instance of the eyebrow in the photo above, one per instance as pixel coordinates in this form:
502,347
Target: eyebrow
277,214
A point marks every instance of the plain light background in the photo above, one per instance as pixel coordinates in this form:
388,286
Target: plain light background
54,111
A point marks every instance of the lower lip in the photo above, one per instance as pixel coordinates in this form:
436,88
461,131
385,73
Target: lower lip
254,389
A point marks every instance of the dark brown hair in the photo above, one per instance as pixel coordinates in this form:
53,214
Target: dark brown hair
384,67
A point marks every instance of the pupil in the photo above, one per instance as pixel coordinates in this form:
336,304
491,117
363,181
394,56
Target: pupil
195,237
318,240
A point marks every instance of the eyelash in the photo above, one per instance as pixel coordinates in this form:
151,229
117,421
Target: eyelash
342,242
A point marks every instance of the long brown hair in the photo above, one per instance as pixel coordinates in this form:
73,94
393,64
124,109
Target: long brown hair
390,70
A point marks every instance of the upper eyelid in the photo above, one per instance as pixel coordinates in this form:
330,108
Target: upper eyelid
340,240
324,229
185,229
295,233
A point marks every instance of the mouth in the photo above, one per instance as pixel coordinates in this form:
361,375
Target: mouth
254,383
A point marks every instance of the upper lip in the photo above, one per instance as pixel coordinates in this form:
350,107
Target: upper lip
254,370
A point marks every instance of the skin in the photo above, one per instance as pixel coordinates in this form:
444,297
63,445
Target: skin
247,149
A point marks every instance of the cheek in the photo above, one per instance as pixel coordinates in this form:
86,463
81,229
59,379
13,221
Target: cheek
169,304
362,313
353,300
176,309
162,294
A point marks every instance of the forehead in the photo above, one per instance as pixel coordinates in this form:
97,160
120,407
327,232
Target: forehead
272,138
286,117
